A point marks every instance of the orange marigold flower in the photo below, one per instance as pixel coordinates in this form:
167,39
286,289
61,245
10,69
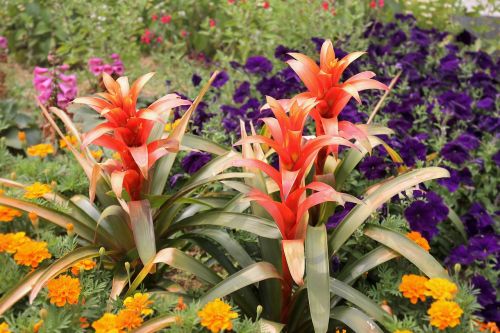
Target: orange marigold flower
490,327
7,214
71,138
33,217
128,319
1,191
40,150
32,253
36,190
86,265
180,304
217,315
440,288
21,136
37,326
139,303
11,242
64,289
84,322
445,314
107,324
413,287
417,238
4,328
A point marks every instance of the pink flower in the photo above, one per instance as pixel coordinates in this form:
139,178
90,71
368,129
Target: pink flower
146,37
3,42
373,4
184,33
325,5
159,39
107,68
115,56
266,5
165,19
381,3
118,67
63,67
212,23
154,17
95,65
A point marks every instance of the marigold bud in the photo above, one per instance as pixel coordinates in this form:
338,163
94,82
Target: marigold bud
70,229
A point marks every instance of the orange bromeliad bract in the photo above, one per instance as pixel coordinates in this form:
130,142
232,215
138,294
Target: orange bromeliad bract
127,129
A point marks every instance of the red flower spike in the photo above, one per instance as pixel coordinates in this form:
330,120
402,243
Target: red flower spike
127,130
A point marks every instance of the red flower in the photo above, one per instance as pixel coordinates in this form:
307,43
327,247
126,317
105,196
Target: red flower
266,5
146,37
211,22
165,19
184,33
231,2
126,131
373,4
324,84
325,5
159,39
154,17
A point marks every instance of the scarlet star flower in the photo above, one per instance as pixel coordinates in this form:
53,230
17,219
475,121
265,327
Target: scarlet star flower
324,83
127,129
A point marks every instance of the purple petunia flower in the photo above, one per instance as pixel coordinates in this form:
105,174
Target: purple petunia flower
456,104
459,255
424,216
468,141
496,158
412,150
194,161
420,36
487,293
258,65
220,80
242,92
196,79
481,246
465,37
449,63
373,167
486,103
281,53
398,38
318,42
338,216
455,153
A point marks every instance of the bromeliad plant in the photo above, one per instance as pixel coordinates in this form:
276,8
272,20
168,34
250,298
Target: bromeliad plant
302,192
132,226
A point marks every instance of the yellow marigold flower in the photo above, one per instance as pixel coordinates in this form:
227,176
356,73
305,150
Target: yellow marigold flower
64,289
32,253
4,328
107,324
417,238
139,303
71,138
97,154
217,316
413,287
21,136
171,126
402,331
7,214
339,331
37,326
86,265
116,156
128,319
440,288
11,242
37,190
41,150
445,314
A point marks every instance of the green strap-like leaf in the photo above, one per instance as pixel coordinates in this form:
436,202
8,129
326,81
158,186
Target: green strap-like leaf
238,221
247,276
355,319
232,246
141,221
203,144
21,289
408,249
156,324
357,298
177,259
115,220
61,265
358,215
317,270
453,217
367,262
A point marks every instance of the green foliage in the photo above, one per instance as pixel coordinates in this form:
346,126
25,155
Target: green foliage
12,121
